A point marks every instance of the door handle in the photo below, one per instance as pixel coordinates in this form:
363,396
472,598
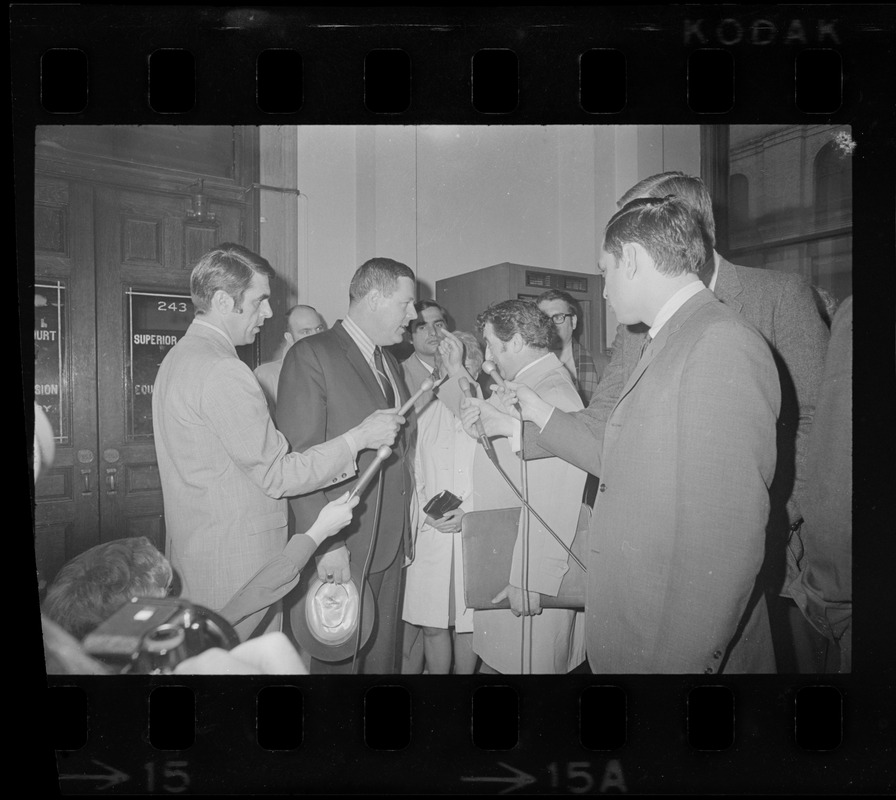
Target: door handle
110,480
85,476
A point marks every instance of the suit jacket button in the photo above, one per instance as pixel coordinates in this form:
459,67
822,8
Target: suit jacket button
707,671
603,487
717,654
344,474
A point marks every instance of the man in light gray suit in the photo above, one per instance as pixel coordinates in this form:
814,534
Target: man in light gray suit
224,467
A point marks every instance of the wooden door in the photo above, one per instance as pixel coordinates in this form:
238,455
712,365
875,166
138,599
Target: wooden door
114,247
146,247
67,494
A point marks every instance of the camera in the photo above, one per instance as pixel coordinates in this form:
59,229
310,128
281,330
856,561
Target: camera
152,635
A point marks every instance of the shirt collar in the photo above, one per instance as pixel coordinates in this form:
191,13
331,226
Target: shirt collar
672,305
198,321
716,260
531,364
364,342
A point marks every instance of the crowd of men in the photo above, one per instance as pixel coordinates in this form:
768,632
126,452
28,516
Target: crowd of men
717,535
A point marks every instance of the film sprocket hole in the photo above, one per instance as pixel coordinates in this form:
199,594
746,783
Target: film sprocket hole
152,635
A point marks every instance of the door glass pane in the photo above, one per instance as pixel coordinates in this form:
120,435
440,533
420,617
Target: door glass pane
156,322
790,202
51,371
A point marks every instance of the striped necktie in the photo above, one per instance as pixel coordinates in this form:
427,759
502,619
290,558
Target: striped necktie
383,378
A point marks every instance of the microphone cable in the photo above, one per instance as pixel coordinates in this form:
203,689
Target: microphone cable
534,513
524,485
365,570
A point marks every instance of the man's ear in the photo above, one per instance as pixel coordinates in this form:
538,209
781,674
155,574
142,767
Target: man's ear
630,260
222,302
516,343
373,299
289,339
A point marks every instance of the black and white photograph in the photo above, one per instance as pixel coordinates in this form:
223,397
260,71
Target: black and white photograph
375,411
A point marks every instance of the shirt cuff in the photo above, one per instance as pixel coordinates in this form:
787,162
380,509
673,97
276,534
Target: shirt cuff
550,414
352,448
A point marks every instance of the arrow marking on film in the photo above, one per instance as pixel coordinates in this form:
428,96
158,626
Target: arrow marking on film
112,777
517,781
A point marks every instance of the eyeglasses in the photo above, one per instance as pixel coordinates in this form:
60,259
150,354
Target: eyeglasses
559,319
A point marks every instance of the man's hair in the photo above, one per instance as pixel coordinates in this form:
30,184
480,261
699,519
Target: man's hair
420,306
377,273
667,228
519,316
95,584
556,294
229,267
688,188
472,347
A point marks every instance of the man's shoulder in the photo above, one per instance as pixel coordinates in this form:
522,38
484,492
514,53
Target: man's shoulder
759,279
717,321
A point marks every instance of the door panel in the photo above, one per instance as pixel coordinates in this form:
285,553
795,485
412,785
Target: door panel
66,495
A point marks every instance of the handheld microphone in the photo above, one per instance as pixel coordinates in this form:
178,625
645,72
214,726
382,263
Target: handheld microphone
491,369
426,386
381,455
477,426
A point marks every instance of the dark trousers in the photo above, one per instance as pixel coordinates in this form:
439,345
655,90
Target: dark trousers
381,655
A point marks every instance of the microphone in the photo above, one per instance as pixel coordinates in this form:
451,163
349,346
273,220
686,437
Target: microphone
381,455
491,369
426,386
477,426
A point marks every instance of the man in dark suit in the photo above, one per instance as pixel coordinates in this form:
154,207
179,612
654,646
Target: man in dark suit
328,383
685,461
782,308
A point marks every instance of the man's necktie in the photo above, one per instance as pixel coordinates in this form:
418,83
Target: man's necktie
435,375
385,383
644,346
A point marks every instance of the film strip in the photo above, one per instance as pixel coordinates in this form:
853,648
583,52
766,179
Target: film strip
580,734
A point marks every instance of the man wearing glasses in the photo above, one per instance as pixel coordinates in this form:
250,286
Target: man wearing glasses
301,321
562,309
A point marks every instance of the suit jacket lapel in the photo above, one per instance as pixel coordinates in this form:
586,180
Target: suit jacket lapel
668,330
357,360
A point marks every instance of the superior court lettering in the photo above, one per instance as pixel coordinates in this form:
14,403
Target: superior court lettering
154,338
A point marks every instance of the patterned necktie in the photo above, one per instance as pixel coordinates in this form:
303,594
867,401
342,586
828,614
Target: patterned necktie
436,377
383,378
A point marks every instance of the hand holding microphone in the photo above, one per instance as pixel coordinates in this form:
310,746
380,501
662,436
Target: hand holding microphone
381,455
476,424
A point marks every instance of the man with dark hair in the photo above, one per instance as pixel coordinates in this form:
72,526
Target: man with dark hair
563,310
301,321
95,584
685,462
519,337
223,465
782,307
328,383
